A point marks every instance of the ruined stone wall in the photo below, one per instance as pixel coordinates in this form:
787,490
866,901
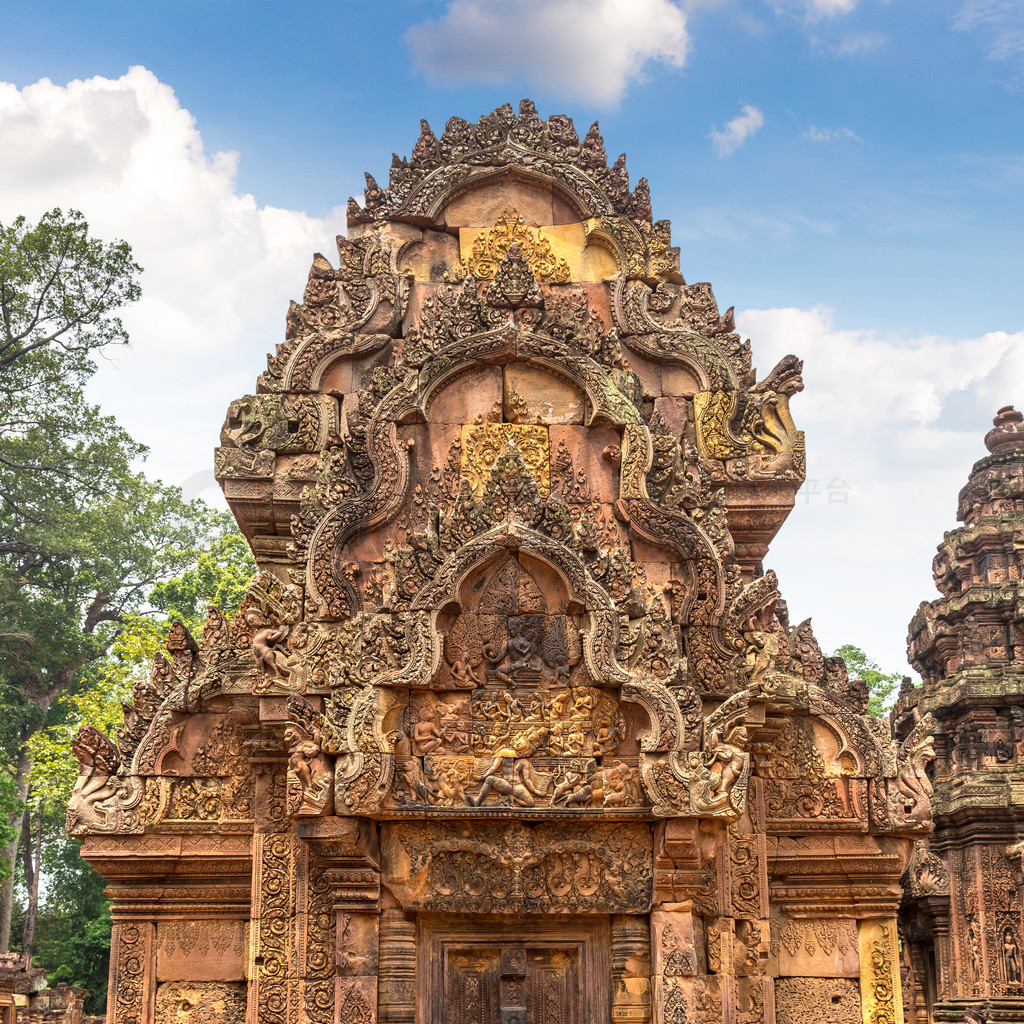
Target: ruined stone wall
512,725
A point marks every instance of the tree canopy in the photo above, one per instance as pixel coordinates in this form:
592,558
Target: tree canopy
880,684
86,539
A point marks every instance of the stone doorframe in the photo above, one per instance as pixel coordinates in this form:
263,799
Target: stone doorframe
591,935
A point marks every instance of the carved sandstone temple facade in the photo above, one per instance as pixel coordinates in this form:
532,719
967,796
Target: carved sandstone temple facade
512,727
962,915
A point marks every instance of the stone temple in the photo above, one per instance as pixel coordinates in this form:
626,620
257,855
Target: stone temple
962,912
512,726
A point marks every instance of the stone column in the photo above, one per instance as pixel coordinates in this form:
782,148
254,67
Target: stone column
396,993
631,970
344,881
881,1000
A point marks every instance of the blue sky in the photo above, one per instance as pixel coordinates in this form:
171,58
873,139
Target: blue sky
848,173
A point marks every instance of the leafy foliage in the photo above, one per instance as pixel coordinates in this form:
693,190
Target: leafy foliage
220,577
85,540
880,684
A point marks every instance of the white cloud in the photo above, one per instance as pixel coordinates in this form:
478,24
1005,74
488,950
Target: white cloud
814,10
219,268
737,131
850,44
589,50
893,427
1001,22
831,135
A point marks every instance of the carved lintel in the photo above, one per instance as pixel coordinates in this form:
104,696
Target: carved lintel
511,867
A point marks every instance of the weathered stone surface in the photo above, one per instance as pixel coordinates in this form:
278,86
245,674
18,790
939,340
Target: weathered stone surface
200,1003
822,1000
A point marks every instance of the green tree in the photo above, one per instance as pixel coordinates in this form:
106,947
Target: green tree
84,537
219,577
72,936
880,684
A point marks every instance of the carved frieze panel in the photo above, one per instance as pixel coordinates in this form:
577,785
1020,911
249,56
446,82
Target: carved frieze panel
518,868
201,950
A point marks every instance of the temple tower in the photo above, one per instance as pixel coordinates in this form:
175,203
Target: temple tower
962,915
511,727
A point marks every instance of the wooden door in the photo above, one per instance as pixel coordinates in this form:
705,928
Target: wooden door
511,983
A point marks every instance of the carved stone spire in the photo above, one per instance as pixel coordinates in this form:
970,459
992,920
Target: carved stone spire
968,645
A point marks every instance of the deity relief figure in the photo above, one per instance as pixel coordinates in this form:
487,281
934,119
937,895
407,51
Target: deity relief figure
727,760
310,774
719,772
1011,958
267,643
425,734
519,652
974,949
574,788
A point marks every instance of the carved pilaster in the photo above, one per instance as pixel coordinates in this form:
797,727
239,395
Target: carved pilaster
688,864
343,858
631,970
673,961
396,993
132,990
880,986
273,995
315,939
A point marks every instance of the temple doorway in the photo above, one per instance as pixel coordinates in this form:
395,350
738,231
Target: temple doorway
515,972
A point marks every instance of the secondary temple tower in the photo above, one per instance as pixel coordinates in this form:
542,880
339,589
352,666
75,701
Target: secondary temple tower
511,727
962,915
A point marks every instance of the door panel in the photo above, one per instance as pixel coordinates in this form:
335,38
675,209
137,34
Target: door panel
511,983
526,970
471,986
552,987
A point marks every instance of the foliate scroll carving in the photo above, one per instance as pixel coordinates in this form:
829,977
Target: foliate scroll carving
367,293
880,972
552,149
273,909
491,246
484,444
513,867
131,975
